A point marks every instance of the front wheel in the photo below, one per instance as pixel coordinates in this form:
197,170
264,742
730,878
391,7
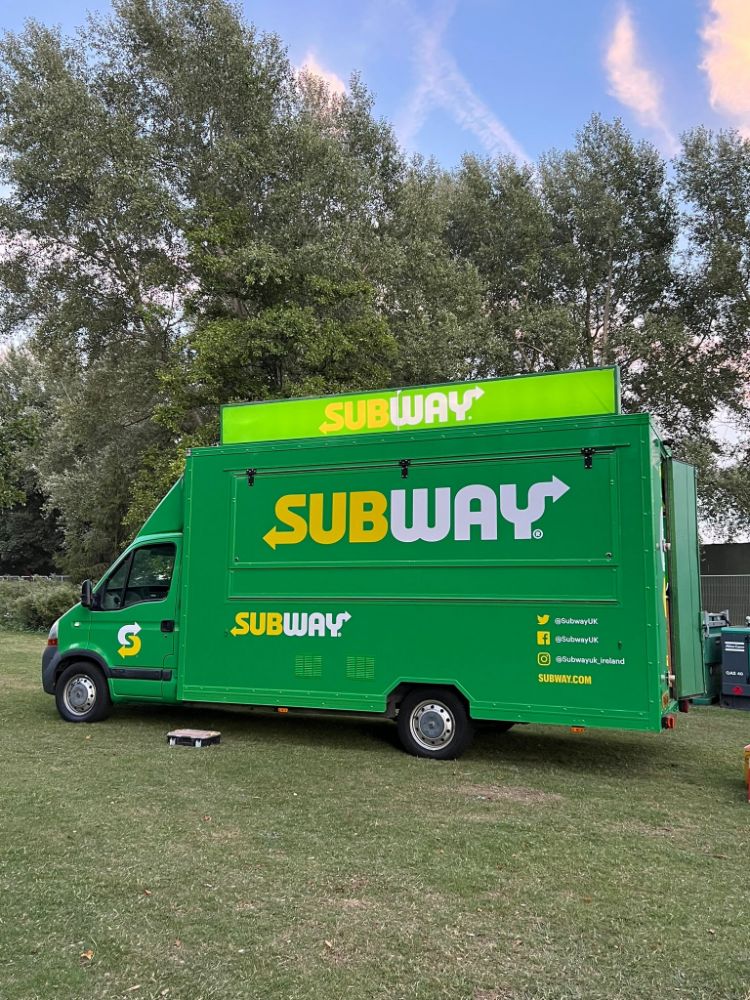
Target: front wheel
81,694
434,724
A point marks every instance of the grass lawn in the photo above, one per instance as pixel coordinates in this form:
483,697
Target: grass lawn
309,858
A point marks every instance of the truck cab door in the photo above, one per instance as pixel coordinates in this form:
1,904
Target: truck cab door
133,620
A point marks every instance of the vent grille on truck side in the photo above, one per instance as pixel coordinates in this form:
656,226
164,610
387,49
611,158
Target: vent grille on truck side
308,666
360,668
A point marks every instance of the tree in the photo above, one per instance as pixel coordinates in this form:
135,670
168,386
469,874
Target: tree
30,538
614,236
94,256
104,142
498,223
285,303
430,297
18,431
714,180
287,271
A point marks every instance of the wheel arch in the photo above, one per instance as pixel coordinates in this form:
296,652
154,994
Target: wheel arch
81,656
404,688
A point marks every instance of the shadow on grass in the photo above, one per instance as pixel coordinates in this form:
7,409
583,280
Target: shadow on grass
605,752
529,750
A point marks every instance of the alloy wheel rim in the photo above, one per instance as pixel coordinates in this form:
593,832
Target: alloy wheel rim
432,725
79,694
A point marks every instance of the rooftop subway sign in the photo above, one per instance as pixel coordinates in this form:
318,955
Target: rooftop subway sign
589,392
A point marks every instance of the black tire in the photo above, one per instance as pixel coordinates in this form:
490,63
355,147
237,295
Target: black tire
434,724
81,693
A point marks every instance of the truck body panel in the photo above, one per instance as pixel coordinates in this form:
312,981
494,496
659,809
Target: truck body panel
551,620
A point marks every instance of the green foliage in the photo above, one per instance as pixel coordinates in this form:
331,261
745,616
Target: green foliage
157,474
497,223
201,233
188,221
714,179
30,536
21,412
33,606
613,231
431,296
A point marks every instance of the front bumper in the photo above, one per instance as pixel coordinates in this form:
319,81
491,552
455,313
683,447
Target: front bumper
50,661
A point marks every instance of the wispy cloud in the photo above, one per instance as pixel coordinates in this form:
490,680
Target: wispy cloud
727,59
633,84
311,64
441,84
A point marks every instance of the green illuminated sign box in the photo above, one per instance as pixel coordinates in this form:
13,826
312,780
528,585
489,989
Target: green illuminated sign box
588,392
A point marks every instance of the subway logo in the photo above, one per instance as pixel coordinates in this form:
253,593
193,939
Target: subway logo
428,515
523,397
399,410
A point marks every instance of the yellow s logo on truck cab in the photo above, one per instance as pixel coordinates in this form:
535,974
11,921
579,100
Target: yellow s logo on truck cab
130,644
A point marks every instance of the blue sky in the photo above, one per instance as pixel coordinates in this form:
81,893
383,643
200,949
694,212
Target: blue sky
497,76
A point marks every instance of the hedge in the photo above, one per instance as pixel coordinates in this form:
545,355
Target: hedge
34,606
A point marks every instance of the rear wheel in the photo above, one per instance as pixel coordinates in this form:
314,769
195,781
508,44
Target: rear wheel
81,694
434,723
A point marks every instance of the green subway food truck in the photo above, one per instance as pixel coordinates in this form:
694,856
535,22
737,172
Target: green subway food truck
509,550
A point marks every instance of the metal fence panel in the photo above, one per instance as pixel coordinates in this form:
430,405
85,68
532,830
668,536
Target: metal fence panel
36,578
730,591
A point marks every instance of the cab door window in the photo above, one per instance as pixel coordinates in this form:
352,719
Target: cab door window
114,586
150,574
145,574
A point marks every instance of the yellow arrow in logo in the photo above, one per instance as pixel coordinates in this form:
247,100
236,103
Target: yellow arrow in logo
131,650
130,644
270,537
284,509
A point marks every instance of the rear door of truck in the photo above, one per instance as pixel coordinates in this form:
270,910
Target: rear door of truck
683,567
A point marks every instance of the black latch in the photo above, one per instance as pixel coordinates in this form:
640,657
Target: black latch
405,463
251,476
588,457
167,625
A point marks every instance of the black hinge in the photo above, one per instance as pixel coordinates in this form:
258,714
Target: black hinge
405,463
251,476
588,457
167,625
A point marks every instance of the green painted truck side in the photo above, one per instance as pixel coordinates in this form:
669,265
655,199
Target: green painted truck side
546,570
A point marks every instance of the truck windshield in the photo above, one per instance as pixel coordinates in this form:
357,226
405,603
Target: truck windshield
143,575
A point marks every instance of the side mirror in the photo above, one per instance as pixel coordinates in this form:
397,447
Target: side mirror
87,594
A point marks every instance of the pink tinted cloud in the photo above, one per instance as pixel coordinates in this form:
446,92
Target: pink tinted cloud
311,65
633,83
726,61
